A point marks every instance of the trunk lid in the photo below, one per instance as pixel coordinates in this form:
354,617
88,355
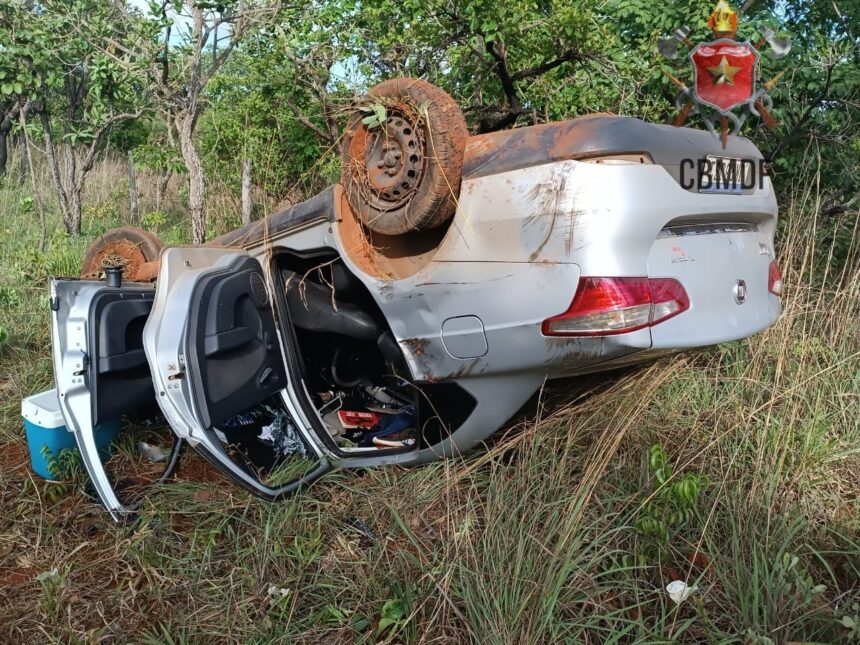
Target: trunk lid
724,269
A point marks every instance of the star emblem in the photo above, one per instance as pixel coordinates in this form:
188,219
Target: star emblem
724,73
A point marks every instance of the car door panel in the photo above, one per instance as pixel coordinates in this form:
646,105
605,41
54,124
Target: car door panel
97,352
234,357
122,383
214,350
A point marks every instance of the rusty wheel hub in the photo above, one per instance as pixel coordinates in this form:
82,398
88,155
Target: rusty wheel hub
393,160
134,250
122,253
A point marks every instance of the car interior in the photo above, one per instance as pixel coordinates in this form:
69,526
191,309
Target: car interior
350,365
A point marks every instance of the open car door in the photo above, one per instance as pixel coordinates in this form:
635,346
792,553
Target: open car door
100,368
217,361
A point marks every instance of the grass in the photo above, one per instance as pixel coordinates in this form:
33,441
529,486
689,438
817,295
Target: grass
755,499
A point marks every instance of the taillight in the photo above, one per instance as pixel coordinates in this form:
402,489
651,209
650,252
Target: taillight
605,306
774,279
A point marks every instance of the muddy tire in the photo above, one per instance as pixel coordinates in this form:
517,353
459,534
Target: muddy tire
125,246
404,174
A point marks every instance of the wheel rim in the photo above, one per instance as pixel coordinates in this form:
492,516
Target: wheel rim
389,161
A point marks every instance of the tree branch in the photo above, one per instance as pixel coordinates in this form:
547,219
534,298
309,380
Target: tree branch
317,81
320,132
10,117
505,117
569,56
500,57
797,128
90,157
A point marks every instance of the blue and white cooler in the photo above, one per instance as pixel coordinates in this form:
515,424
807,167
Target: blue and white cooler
45,428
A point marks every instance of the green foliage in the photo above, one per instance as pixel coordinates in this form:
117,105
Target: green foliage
154,220
65,465
250,117
66,468
671,505
307,548
51,583
392,617
158,156
62,258
9,298
376,115
58,55
768,575
25,64
850,621
26,205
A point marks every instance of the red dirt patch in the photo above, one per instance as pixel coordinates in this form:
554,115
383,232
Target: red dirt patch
193,468
17,576
14,455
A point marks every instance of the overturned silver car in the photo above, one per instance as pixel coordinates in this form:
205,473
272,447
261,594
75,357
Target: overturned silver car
406,313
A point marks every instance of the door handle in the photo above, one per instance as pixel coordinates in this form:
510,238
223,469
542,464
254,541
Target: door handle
265,375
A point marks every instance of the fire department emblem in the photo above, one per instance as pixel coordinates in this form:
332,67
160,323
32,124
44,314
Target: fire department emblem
725,74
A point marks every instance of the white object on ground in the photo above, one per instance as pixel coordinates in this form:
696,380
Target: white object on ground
150,452
274,590
679,591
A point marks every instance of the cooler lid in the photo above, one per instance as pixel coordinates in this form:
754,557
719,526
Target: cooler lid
43,409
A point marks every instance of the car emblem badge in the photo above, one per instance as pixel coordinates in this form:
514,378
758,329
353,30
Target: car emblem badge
740,292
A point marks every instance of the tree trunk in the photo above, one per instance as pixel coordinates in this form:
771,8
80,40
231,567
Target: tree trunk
195,180
72,214
37,195
53,163
4,151
25,159
161,188
72,219
132,190
246,191
6,124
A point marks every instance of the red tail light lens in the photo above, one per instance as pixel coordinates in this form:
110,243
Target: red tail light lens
606,306
774,279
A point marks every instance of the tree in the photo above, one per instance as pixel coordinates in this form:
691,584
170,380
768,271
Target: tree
264,107
63,72
505,61
283,96
23,61
182,60
9,115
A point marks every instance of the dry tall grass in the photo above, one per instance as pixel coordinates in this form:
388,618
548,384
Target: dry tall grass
107,200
